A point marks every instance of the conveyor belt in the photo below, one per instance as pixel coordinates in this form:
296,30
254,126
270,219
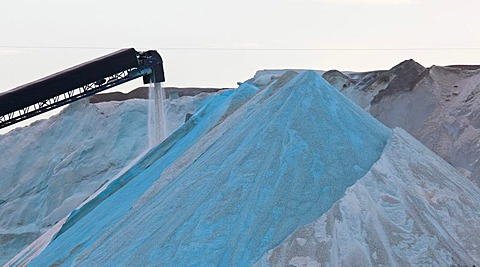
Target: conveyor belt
77,82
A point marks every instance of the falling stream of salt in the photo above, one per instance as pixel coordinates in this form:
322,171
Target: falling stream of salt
156,114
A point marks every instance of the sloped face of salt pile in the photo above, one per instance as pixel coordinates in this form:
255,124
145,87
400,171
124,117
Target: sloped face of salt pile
411,209
277,163
437,105
53,165
441,111
170,149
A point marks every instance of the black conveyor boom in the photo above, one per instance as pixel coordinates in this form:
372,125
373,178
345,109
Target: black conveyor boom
78,82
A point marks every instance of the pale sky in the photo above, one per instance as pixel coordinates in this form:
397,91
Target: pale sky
251,28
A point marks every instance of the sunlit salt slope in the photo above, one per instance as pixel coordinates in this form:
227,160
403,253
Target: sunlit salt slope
50,167
231,184
410,209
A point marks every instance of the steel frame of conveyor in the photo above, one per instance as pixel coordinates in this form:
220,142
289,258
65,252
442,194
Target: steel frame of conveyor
73,95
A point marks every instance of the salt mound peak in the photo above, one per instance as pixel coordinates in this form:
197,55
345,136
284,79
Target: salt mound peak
405,77
236,190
